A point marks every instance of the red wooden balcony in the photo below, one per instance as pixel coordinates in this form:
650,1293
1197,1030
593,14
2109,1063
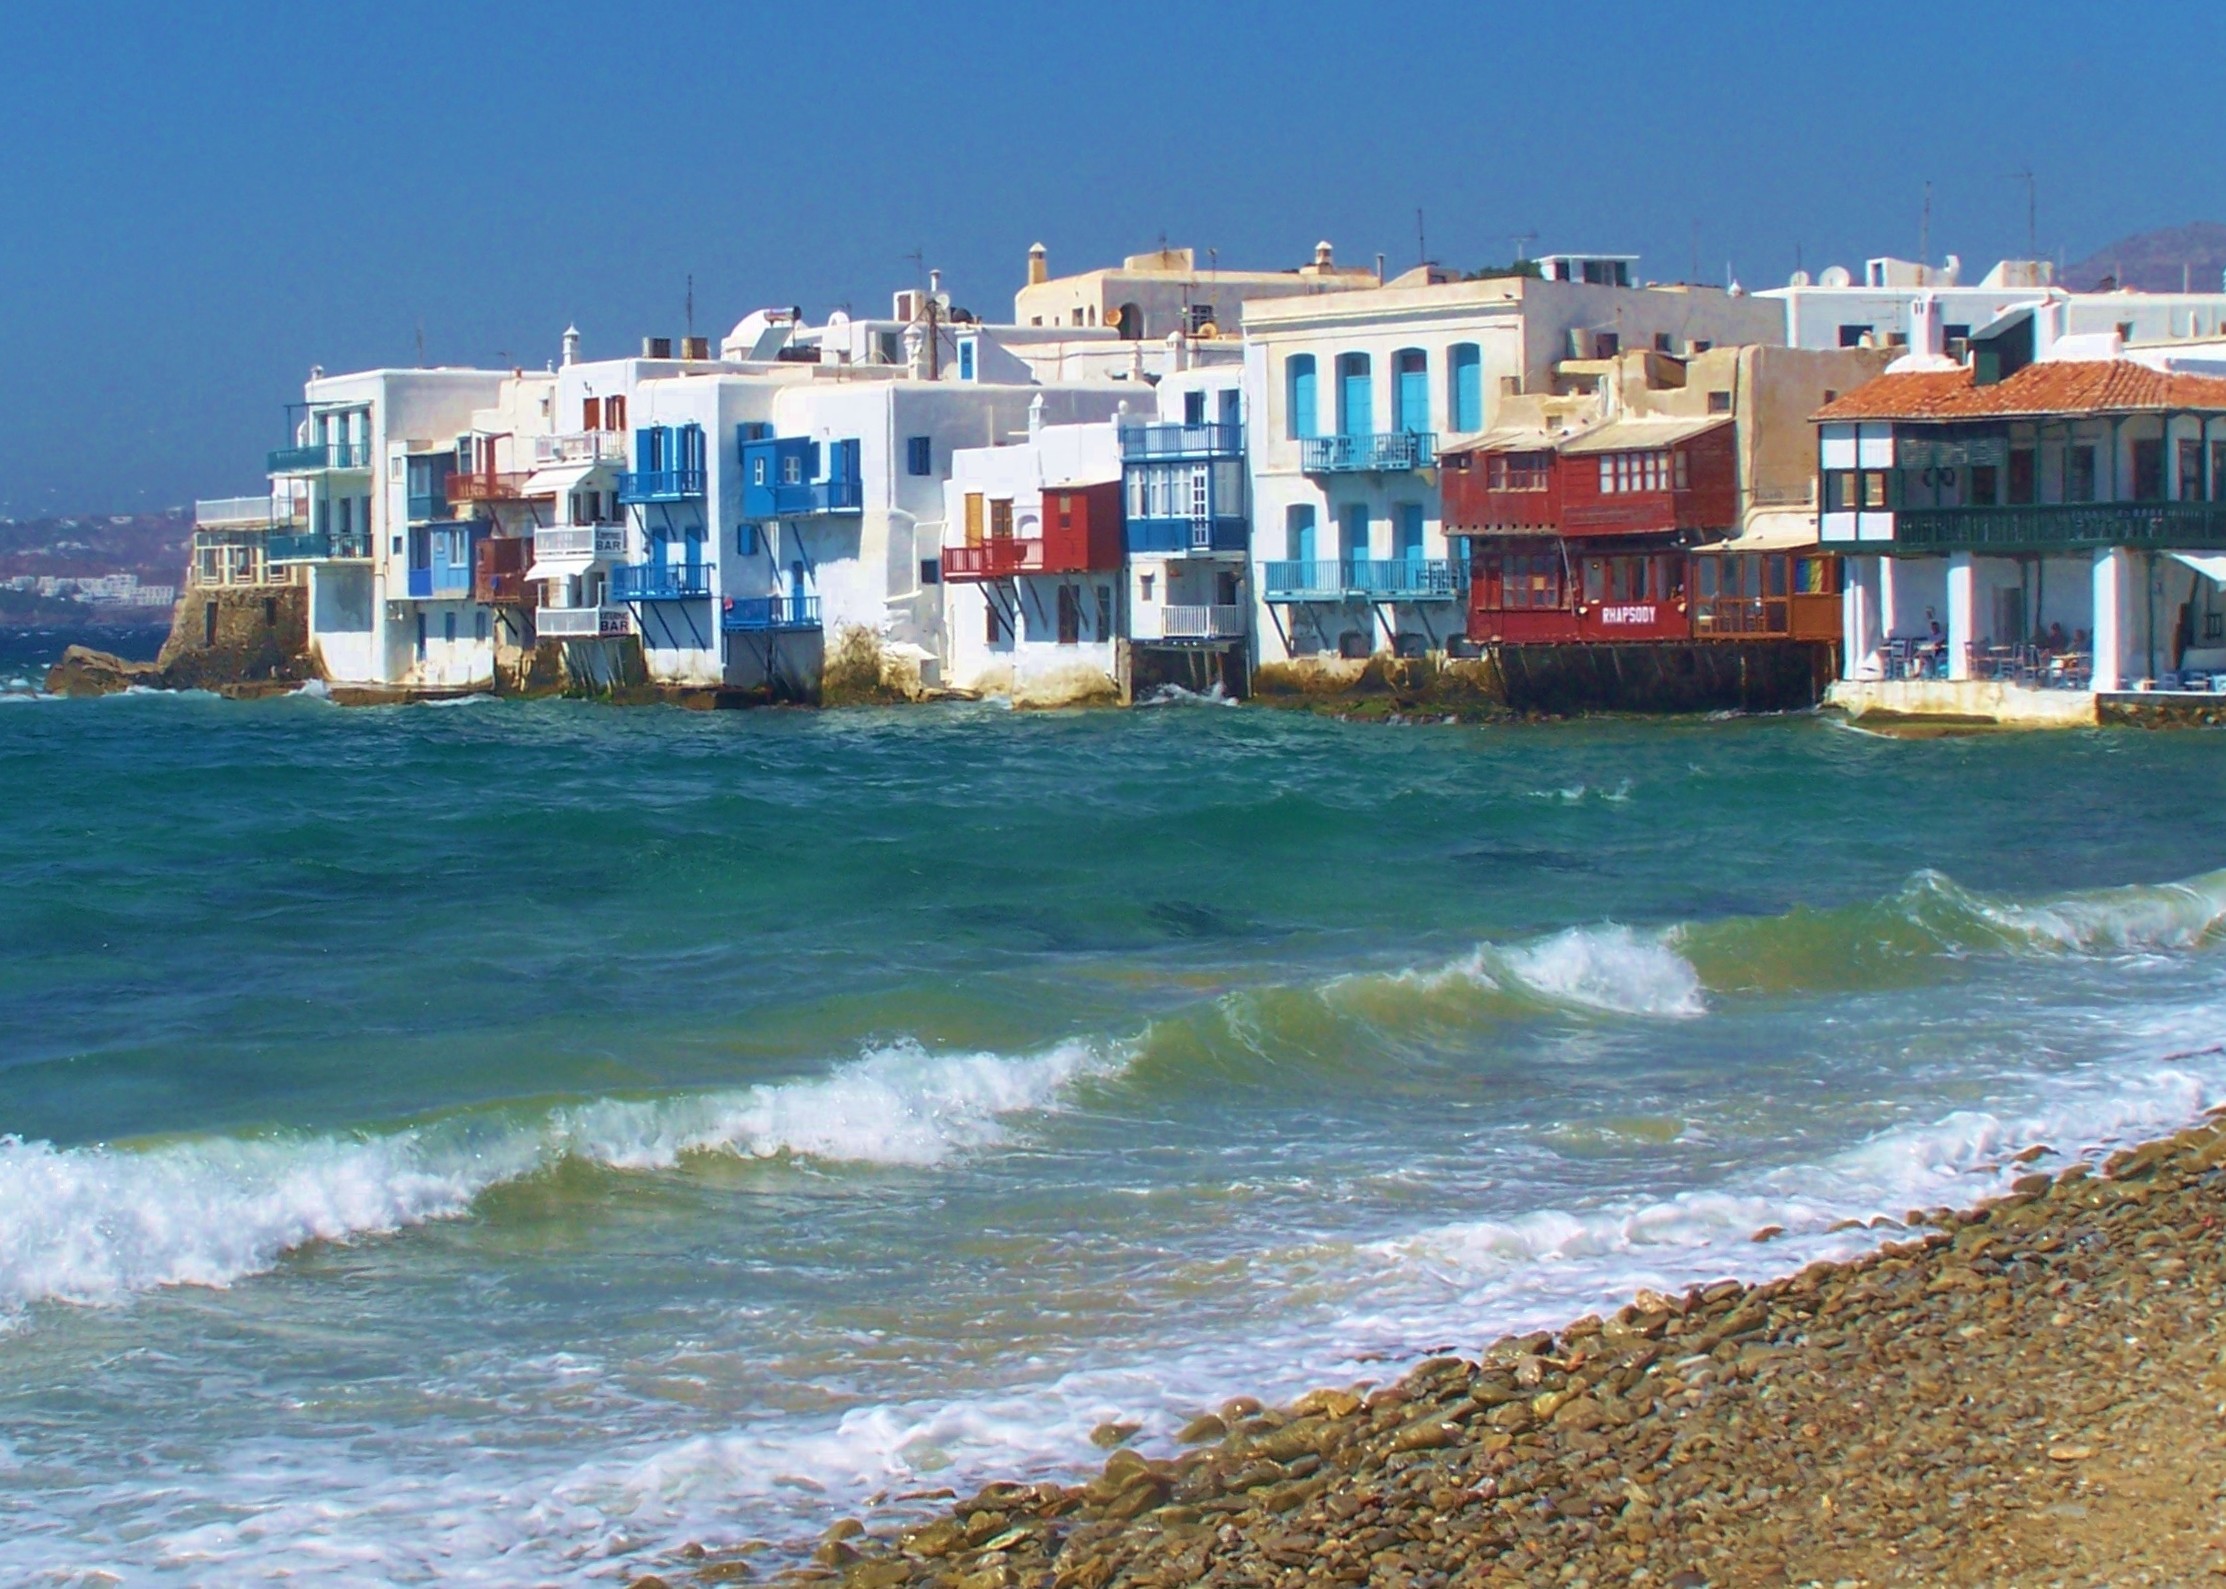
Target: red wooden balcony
499,572
486,486
1081,534
999,557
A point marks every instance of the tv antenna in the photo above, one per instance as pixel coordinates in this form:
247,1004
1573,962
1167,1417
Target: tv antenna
1522,242
1421,240
689,309
1924,229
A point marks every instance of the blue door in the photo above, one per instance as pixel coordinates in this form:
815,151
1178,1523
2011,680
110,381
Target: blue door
1229,410
695,559
1408,517
1411,398
1356,536
1301,405
1356,395
1298,528
795,590
1468,388
1194,408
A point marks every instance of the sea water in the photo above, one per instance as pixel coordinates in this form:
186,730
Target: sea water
502,1144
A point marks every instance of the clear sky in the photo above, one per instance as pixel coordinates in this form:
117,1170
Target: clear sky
202,201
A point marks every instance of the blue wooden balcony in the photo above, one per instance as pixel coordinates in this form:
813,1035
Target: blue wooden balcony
779,478
317,546
769,614
660,485
440,583
660,581
1362,579
1380,452
1201,442
1178,536
320,455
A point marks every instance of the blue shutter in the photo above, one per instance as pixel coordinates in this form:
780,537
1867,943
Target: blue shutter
1356,395
1298,530
1468,388
1300,370
1356,533
1411,396
1229,407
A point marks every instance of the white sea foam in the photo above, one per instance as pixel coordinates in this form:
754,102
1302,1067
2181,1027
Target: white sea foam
2149,916
1611,968
95,1225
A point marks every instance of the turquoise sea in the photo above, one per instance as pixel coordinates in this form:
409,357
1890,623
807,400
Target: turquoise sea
499,1143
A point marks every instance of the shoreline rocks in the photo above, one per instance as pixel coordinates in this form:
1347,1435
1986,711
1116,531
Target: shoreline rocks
2029,1392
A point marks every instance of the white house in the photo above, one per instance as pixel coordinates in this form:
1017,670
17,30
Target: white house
1031,564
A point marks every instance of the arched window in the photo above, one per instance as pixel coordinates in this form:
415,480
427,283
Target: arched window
1464,388
1298,404
1356,395
1410,391
1132,323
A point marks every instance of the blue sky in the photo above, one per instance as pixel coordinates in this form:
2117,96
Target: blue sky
203,201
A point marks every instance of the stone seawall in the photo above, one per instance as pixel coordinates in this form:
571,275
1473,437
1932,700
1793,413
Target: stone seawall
228,637
1561,680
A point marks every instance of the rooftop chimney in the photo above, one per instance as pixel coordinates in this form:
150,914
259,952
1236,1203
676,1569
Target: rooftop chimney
656,347
1039,265
571,344
1323,258
695,347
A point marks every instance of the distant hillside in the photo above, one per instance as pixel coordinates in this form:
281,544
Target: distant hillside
2159,261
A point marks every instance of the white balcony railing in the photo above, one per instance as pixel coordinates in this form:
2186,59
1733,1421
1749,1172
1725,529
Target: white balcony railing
581,446
580,540
1201,623
580,623
238,513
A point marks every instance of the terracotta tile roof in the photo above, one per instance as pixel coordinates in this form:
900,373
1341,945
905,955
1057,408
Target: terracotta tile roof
2101,386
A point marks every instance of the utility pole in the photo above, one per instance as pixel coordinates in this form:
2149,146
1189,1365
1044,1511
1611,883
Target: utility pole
2032,211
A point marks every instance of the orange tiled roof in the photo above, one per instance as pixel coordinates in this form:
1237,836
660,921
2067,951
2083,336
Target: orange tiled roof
2100,386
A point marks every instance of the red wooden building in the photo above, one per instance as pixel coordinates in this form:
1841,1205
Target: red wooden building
1583,539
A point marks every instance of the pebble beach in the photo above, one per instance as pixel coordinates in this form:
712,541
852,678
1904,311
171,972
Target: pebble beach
2032,1392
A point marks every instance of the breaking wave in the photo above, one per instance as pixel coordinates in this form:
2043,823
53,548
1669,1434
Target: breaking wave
96,1225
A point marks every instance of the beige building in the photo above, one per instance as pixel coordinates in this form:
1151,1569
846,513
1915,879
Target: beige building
1152,295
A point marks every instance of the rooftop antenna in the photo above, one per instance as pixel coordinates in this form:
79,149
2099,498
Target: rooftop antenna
1421,240
1924,230
1694,278
2032,211
1522,242
690,310
421,342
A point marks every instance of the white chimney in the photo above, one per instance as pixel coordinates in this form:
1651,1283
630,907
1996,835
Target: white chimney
571,344
915,351
1035,414
1039,265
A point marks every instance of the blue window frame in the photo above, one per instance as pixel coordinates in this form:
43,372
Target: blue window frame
1410,392
1194,408
1465,387
1298,532
1230,407
1299,405
919,455
1356,533
1356,395
966,360
1409,519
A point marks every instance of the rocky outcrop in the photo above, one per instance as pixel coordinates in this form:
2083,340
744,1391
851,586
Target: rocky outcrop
84,671
242,640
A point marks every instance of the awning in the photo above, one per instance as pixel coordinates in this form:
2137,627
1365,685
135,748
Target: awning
558,479
1642,435
2211,565
1772,530
569,566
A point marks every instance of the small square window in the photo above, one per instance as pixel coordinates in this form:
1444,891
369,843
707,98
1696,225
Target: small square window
919,455
1719,402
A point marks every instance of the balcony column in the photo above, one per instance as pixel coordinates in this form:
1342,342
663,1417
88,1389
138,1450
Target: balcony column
1962,593
2111,564
1859,618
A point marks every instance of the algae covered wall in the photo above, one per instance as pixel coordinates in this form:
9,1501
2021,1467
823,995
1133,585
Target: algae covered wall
1560,680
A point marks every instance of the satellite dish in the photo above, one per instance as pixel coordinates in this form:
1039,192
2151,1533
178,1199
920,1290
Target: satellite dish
1112,317
1799,278
1835,276
836,319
